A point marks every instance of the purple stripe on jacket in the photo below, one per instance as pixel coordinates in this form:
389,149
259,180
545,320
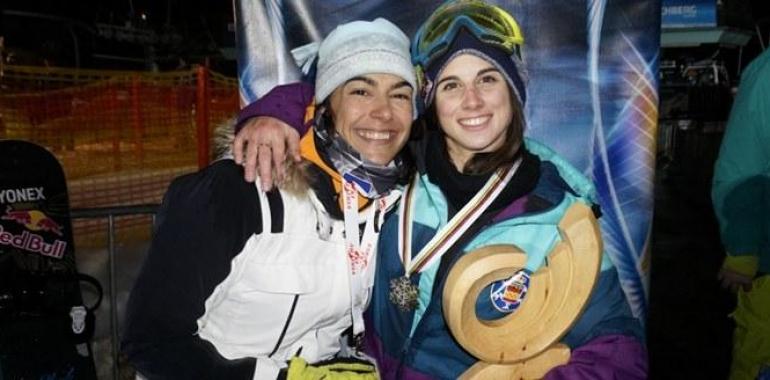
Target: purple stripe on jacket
604,358
287,102
518,207
386,364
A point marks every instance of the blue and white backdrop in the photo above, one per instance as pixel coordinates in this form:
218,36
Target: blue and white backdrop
593,91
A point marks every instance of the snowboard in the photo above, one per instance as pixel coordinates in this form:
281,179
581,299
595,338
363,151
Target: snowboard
45,329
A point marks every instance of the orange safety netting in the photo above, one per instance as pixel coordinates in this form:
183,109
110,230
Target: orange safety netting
120,136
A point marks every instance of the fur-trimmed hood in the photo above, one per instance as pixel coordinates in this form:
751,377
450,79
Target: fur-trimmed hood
296,180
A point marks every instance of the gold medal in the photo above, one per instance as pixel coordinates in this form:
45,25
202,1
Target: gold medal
403,293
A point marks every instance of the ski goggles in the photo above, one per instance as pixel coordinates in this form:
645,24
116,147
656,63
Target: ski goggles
488,23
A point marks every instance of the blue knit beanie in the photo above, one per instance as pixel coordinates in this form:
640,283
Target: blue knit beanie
509,65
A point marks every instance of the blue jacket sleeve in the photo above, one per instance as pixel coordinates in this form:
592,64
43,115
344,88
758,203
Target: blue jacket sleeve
607,313
204,221
741,185
606,340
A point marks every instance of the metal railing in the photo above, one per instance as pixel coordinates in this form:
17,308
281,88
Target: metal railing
110,213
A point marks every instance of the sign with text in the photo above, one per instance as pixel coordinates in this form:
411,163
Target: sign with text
689,13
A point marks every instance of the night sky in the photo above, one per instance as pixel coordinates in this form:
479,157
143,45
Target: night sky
66,33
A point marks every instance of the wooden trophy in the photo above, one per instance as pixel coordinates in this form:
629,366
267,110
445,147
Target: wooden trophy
524,344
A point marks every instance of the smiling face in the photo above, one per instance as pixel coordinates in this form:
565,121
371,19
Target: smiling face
373,114
473,106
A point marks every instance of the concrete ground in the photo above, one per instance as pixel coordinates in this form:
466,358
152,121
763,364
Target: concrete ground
128,259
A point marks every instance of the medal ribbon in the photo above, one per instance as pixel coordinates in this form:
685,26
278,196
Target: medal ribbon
448,235
360,250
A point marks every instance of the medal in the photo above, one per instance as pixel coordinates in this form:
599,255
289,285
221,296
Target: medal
403,293
508,295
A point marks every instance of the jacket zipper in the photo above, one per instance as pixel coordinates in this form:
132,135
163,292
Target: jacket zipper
285,326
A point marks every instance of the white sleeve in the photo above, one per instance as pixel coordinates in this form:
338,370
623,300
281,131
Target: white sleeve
267,369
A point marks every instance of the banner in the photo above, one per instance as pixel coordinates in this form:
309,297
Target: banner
592,91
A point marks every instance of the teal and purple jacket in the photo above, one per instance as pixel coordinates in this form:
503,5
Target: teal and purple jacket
606,340
741,188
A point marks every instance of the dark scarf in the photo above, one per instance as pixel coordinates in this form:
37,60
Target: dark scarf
326,180
372,180
459,188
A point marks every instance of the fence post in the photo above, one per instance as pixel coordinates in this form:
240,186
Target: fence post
136,117
202,115
115,131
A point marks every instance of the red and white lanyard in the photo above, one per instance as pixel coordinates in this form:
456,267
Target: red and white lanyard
448,235
361,251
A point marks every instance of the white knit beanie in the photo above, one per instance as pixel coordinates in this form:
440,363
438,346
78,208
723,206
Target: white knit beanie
359,48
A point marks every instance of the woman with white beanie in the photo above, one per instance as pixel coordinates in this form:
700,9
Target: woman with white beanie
242,284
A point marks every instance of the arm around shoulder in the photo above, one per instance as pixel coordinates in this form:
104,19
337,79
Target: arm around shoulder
286,103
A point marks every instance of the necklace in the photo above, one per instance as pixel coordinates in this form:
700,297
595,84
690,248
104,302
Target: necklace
403,292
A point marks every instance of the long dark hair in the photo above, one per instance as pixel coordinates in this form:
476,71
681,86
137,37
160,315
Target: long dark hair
483,163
